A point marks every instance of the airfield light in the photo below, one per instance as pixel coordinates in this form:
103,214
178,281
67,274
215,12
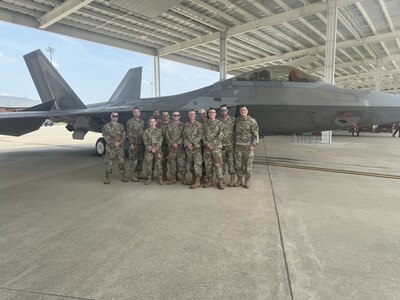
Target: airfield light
51,50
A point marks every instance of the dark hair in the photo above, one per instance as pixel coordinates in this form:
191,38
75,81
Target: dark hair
136,108
223,105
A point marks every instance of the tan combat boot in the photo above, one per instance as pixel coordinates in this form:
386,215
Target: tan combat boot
209,183
148,180
196,183
135,177
193,178
238,182
221,184
232,182
246,183
172,180
107,180
123,178
141,176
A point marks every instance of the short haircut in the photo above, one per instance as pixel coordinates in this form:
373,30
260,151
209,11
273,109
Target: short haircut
136,108
223,105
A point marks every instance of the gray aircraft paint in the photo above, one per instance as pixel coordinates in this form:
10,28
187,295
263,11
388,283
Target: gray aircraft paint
280,106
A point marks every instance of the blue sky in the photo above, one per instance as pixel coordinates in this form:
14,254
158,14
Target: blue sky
92,70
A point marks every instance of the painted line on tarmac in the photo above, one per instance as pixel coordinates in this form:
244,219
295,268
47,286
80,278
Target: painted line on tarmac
319,169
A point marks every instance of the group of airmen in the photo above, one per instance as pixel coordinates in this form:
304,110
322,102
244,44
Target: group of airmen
207,147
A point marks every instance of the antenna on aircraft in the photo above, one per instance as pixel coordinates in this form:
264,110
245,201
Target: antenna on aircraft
51,50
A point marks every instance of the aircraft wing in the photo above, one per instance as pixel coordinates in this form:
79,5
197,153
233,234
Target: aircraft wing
28,120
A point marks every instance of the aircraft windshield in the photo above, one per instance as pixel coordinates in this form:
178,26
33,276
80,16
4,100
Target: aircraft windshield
277,73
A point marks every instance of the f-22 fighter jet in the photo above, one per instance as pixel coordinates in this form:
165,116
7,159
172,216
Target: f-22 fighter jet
281,98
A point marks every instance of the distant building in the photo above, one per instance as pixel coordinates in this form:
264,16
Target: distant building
10,104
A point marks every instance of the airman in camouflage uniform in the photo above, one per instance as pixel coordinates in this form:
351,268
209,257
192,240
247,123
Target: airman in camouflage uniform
135,128
228,124
202,119
177,155
246,137
156,115
212,140
163,125
152,138
114,134
192,136
202,116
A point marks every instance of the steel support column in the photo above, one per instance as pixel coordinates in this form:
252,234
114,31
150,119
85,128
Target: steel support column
330,53
222,57
157,75
378,78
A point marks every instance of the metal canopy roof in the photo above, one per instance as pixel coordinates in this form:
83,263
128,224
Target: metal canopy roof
260,32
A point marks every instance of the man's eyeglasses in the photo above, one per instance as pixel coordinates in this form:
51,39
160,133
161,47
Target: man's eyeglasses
202,114
224,110
176,115
114,116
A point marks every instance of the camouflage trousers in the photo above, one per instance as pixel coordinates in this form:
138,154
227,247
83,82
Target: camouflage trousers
165,157
177,161
228,159
213,163
244,161
151,158
136,158
194,160
111,155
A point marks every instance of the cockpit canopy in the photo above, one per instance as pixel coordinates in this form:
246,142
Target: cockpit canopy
277,73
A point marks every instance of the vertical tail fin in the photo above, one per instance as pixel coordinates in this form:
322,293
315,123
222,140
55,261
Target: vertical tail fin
49,83
129,88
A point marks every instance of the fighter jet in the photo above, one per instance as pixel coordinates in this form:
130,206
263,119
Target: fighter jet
281,98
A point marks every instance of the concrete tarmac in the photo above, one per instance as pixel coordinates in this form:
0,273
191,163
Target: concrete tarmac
303,230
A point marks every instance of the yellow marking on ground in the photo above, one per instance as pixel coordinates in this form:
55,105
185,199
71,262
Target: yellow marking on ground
319,169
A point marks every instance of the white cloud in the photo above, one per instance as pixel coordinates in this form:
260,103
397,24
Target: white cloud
1,54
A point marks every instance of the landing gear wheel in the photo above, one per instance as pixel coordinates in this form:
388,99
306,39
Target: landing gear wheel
100,147
355,132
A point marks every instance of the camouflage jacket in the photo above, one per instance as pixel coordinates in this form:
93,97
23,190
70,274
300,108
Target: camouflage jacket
192,134
228,124
213,133
175,133
114,133
135,130
202,120
152,138
246,131
163,126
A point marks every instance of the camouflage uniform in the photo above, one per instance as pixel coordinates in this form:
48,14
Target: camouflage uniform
163,126
202,120
227,144
246,134
114,132
153,138
192,134
177,157
135,130
213,158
